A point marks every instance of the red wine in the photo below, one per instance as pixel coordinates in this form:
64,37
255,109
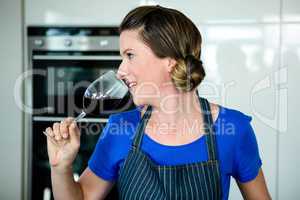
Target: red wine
107,105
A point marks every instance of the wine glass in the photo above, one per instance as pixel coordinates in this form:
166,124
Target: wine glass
106,90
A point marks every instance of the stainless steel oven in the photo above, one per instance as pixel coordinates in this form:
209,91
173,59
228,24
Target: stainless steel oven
64,61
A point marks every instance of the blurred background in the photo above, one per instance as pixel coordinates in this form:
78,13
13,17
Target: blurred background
251,52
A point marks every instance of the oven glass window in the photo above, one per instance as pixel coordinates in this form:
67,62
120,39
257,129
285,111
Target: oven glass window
59,85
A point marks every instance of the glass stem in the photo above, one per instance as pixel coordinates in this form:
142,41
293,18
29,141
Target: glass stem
80,116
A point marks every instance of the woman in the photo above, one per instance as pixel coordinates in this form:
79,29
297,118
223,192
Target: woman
174,145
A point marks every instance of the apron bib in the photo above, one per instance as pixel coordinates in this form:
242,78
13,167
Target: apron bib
141,179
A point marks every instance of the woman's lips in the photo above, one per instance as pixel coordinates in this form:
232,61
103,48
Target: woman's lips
129,84
132,84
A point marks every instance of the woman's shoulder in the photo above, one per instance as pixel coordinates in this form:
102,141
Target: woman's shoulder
232,121
230,114
121,126
132,115
114,143
237,144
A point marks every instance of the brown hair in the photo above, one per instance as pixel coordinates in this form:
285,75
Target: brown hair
169,33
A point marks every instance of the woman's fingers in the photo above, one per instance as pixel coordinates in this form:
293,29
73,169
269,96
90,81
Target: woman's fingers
49,132
51,146
74,133
50,135
64,129
56,131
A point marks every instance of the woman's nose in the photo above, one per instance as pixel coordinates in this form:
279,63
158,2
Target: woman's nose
122,71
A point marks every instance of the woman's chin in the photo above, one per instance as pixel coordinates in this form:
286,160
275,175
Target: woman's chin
137,101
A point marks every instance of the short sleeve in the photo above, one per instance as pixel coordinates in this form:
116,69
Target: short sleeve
247,161
103,161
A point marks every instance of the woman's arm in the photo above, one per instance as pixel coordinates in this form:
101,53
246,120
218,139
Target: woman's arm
255,189
88,187
63,142
94,187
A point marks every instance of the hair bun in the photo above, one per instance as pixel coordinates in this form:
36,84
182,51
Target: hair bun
189,59
188,73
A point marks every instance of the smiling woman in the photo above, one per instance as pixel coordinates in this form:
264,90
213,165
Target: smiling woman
152,55
186,152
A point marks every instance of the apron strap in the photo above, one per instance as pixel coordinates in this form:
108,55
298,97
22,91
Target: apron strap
208,126
141,127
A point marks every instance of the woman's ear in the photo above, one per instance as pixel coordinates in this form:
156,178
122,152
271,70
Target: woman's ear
171,63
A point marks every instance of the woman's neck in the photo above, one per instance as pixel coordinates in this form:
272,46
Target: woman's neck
175,115
173,107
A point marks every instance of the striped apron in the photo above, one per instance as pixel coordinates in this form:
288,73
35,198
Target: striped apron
141,179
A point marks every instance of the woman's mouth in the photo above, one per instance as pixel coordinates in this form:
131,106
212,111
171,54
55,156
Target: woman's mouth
129,84
132,85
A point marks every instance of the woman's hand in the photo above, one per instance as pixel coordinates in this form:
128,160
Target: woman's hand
63,142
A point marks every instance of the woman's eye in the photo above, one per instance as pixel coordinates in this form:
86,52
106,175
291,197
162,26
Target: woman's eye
129,55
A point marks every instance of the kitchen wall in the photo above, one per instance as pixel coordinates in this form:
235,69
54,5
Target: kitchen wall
11,115
251,54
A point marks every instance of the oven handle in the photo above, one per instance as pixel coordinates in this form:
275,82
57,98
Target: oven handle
76,57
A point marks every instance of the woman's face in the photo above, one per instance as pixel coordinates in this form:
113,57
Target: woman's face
142,70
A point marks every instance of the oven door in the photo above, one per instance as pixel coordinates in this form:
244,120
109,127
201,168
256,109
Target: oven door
59,82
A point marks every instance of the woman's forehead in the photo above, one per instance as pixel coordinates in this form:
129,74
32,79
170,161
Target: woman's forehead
130,39
129,36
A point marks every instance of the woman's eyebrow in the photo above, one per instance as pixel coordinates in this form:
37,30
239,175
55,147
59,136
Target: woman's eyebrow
126,51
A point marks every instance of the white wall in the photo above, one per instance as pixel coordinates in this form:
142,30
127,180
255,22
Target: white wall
289,139
79,12
252,56
10,118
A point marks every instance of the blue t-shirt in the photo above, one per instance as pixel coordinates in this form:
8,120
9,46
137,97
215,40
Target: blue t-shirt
236,144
